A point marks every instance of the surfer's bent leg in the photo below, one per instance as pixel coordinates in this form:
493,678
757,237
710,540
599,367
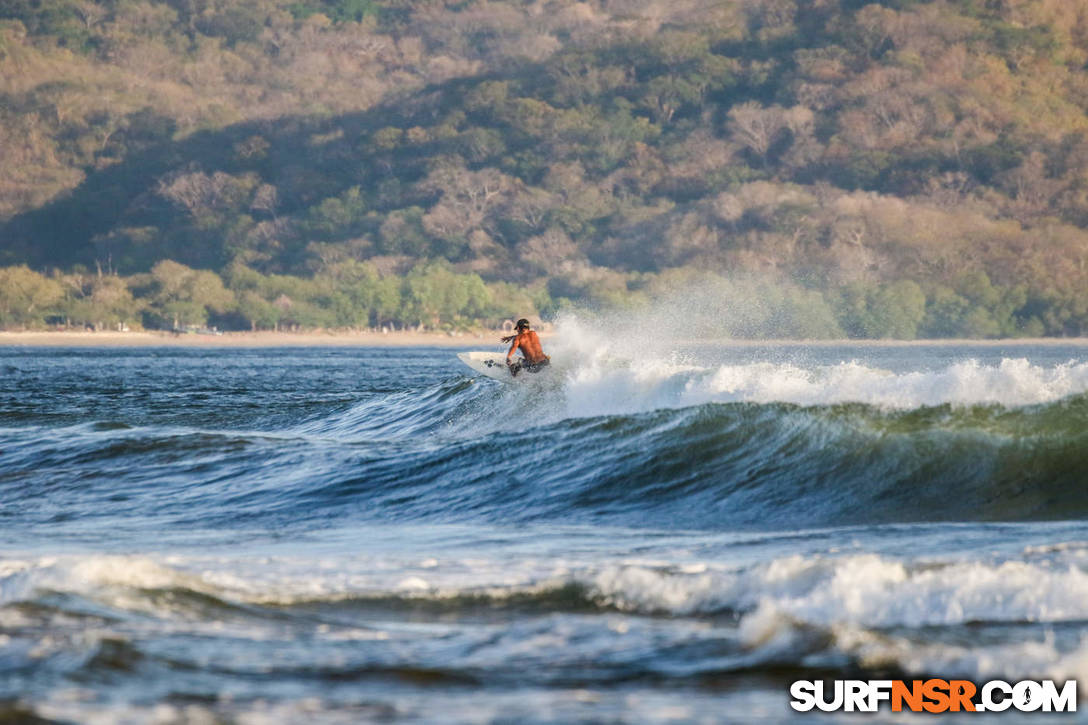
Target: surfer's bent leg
537,366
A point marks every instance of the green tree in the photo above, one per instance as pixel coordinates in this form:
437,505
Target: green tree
435,294
896,310
354,287
27,297
945,313
889,311
101,301
257,311
338,217
181,296
388,300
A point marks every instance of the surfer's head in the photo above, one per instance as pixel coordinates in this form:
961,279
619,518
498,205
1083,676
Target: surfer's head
523,324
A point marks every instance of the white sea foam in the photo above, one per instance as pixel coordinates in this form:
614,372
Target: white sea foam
867,590
856,599
603,377
1039,657
21,579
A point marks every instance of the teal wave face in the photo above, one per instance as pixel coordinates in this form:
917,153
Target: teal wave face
710,466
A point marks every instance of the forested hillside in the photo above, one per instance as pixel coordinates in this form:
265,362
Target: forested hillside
893,169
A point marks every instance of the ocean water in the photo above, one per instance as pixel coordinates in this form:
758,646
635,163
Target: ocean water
664,533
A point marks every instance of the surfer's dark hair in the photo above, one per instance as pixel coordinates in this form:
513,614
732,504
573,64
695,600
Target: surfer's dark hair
522,323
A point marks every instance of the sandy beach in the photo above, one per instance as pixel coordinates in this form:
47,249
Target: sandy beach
248,339
489,338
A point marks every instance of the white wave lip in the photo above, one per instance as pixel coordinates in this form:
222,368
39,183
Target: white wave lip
21,579
865,590
868,590
1013,382
598,388
858,599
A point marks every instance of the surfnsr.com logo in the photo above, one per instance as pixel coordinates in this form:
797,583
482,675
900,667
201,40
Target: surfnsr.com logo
933,695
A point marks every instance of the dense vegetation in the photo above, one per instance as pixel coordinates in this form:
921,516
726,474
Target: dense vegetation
892,169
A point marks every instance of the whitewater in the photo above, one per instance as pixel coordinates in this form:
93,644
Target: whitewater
663,529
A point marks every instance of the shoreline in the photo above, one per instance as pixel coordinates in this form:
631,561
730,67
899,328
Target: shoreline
490,338
81,338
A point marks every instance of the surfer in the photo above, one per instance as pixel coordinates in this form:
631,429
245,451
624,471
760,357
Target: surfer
533,359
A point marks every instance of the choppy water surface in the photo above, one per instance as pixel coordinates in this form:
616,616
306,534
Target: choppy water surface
669,535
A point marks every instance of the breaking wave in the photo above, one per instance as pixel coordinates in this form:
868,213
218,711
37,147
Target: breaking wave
876,612
668,444
341,537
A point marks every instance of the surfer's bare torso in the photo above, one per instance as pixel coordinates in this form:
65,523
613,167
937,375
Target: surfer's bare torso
529,344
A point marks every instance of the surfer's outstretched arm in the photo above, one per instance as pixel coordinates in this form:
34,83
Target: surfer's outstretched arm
513,348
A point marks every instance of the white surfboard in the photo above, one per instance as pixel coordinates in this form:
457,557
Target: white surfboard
491,364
